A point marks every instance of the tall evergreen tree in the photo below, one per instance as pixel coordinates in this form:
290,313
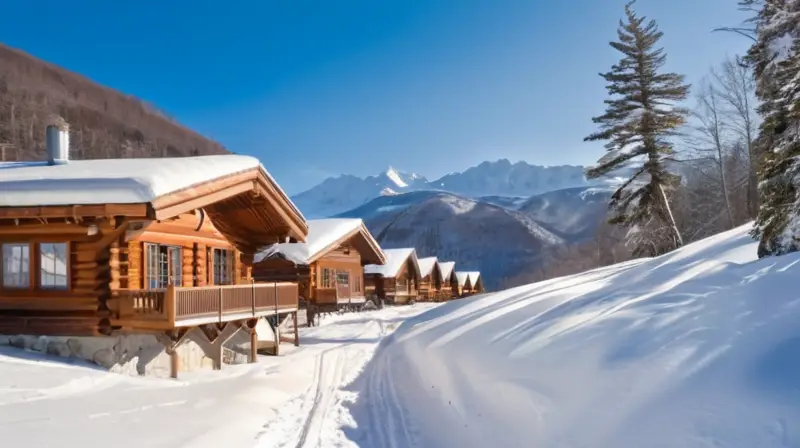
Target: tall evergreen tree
775,58
640,118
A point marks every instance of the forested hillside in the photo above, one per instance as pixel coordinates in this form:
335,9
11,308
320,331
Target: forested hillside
104,123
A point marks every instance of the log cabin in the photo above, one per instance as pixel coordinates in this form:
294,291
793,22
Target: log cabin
329,266
449,289
476,282
430,282
464,284
161,248
396,281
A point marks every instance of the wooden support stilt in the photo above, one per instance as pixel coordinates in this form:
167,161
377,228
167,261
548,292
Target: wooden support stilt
296,330
276,333
171,341
174,363
253,345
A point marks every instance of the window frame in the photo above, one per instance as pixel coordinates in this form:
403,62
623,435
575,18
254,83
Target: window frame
325,278
150,267
38,265
34,262
230,264
31,272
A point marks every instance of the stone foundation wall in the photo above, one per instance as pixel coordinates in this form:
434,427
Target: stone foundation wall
130,354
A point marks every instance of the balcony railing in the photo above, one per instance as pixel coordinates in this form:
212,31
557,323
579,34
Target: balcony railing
204,304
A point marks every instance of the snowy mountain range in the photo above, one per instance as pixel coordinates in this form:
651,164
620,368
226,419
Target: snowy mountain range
501,178
500,240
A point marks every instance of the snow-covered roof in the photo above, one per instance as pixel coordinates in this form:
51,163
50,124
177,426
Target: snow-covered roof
474,276
426,265
394,261
462,278
112,181
323,234
447,268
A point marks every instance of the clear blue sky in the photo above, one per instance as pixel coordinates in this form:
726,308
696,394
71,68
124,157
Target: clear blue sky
318,88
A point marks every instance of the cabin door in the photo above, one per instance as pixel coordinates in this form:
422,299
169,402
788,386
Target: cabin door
343,284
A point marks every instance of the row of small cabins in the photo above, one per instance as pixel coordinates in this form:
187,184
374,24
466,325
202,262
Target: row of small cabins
184,257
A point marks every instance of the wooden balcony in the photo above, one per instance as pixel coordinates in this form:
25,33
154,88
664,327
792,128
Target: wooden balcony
175,307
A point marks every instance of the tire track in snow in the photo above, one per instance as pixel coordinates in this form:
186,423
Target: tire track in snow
328,377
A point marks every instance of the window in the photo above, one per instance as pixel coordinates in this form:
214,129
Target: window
53,265
343,278
16,265
326,278
164,266
223,267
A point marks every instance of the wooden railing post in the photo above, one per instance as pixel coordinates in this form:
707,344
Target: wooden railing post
220,303
170,306
253,294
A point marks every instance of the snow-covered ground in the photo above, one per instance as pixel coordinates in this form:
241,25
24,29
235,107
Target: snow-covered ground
699,348
278,402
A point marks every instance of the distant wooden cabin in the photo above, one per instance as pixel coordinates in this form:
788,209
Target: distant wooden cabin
397,281
476,282
464,284
449,288
430,279
126,246
328,266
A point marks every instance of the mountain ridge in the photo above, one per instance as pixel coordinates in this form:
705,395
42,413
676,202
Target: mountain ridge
500,178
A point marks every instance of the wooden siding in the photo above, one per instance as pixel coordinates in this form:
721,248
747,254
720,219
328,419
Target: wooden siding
400,289
104,268
344,258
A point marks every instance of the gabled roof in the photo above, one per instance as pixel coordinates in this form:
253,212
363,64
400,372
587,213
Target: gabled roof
325,235
474,276
427,265
447,268
230,187
395,258
463,279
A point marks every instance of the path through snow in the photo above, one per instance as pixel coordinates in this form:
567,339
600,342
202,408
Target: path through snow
293,400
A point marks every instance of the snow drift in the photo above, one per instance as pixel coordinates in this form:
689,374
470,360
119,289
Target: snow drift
697,348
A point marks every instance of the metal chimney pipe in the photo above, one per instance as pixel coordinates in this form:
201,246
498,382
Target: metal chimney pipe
57,136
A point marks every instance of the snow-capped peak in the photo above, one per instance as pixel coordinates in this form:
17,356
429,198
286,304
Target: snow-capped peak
388,192
395,177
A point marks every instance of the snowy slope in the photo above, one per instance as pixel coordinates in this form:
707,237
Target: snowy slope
281,401
697,348
572,213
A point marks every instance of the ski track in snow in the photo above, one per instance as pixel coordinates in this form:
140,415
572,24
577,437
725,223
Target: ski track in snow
293,400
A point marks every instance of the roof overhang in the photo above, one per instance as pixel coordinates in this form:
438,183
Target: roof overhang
362,240
247,207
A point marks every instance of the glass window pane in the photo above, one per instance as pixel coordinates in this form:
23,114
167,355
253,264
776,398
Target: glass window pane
16,265
176,265
53,265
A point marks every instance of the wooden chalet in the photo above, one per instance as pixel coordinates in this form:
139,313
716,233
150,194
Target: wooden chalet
328,266
476,282
430,283
161,246
464,284
397,281
469,283
449,288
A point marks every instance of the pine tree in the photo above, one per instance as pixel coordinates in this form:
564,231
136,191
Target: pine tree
640,118
775,58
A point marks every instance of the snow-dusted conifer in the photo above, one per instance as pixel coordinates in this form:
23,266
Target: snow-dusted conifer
640,118
776,62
